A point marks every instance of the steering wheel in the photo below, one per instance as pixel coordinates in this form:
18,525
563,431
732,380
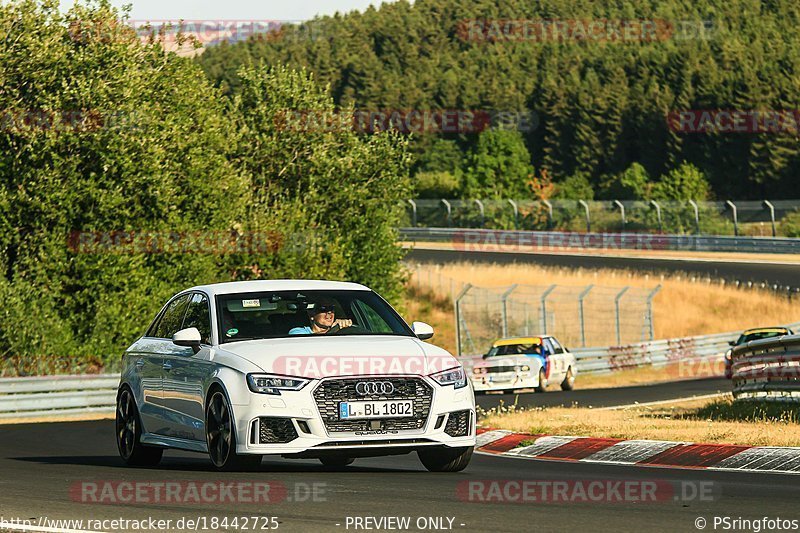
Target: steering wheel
336,330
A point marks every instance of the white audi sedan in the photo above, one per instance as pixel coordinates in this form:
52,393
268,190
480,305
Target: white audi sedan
299,369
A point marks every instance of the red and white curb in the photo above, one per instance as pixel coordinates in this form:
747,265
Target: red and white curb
648,453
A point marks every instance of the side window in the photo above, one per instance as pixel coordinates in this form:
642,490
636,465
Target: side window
375,323
556,346
197,316
173,318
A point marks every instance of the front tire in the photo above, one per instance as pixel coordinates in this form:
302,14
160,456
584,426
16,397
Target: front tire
221,437
569,380
445,459
129,433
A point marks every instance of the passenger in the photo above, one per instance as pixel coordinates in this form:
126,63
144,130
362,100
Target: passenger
322,315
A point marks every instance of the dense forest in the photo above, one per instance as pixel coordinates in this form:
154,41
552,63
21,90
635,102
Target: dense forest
599,104
126,177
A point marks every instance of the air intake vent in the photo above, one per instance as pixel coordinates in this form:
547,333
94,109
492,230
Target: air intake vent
275,430
458,423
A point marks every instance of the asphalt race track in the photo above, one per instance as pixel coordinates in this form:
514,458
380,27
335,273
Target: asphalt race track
40,463
609,397
785,274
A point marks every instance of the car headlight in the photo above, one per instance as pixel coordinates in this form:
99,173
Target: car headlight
271,384
455,376
728,354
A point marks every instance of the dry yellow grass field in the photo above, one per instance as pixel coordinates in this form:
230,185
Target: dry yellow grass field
718,421
682,308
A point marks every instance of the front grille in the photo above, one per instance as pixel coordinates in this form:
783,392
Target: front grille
329,393
458,423
275,430
501,369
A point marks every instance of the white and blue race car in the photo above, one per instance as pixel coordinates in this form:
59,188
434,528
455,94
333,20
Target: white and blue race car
524,363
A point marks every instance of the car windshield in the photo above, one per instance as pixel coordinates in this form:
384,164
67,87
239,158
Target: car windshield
758,335
268,315
514,349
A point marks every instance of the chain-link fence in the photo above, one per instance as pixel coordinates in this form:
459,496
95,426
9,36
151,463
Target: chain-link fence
754,218
579,316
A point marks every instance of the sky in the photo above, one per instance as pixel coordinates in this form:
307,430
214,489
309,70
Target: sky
236,9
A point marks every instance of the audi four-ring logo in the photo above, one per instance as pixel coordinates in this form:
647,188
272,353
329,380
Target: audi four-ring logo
371,388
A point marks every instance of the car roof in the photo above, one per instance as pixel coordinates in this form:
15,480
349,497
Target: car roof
776,329
235,287
520,340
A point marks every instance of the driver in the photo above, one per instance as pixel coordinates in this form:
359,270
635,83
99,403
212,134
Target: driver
322,315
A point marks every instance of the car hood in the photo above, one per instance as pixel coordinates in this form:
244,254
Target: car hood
318,357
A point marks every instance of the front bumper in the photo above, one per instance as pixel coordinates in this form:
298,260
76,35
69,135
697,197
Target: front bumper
504,381
304,423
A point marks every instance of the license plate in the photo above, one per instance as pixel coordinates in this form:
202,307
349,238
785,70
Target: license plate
380,409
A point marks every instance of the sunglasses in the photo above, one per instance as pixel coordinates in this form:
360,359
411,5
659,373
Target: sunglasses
324,309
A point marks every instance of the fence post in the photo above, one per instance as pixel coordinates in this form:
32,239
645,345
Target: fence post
550,222
505,308
650,311
771,208
483,213
581,297
616,306
413,213
588,219
732,206
449,212
622,213
457,305
516,213
545,294
696,217
658,215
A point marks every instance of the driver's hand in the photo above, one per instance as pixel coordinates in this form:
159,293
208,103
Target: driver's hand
343,323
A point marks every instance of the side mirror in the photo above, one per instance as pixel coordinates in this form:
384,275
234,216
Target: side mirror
732,343
422,330
189,337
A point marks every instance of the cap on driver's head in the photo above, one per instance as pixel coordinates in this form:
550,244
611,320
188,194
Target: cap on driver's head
321,305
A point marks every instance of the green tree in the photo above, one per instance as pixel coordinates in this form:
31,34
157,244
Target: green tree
633,184
686,182
499,166
335,193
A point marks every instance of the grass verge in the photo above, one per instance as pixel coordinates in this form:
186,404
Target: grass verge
718,421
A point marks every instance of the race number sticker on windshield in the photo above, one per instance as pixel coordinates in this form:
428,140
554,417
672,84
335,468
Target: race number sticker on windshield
251,303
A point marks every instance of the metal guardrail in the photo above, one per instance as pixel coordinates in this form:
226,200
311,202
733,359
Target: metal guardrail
484,240
49,396
767,369
691,355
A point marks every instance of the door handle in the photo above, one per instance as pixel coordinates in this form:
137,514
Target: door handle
167,366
